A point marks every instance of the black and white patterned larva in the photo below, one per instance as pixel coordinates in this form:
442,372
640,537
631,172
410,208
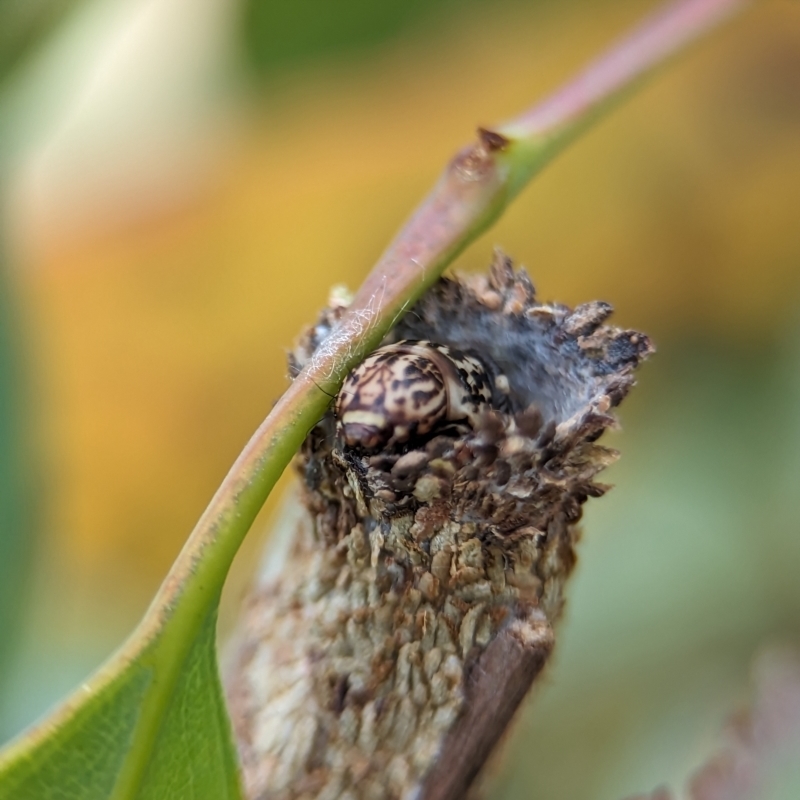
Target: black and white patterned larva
406,390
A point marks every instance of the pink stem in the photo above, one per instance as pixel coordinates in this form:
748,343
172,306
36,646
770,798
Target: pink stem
657,38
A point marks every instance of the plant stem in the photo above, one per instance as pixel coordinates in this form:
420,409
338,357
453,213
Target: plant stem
541,132
473,191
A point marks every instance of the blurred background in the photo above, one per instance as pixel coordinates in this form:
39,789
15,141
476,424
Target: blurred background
183,180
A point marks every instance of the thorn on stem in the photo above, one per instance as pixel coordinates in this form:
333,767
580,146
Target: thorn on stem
492,140
475,162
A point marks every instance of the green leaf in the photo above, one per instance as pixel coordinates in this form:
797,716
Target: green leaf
136,734
193,756
144,730
82,758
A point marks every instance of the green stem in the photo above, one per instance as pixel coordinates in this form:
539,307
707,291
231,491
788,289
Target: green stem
473,191
543,131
